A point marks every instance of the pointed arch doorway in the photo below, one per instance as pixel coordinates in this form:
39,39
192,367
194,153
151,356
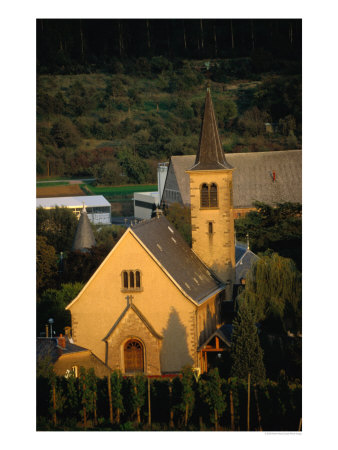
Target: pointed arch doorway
133,356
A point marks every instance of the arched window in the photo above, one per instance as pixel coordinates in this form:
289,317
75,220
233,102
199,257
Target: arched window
209,195
131,280
133,356
213,195
204,196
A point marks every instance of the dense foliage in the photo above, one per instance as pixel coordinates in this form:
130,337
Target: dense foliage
114,110
273,296
84,403
52,303
277,228
246,352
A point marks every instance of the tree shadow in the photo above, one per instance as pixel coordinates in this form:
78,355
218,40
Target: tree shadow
174,352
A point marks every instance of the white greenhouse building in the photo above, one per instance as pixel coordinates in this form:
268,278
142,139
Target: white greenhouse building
98,208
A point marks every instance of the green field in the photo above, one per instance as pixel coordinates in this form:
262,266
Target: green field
52,183
119,193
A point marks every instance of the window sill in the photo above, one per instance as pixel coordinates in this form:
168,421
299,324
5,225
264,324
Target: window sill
211,207
132,290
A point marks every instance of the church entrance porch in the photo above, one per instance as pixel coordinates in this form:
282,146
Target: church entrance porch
215,349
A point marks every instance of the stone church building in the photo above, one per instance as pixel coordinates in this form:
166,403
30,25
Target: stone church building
154,304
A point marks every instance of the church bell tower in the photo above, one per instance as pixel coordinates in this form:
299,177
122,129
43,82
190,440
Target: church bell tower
211,202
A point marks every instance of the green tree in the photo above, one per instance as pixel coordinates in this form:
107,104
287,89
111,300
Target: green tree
46,264
134,167
277,228
225,110
253,121
53,303
273,294
116,393
210,389
183,393
246,352
65,133
58,225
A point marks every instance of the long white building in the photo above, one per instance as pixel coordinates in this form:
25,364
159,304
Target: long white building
98,208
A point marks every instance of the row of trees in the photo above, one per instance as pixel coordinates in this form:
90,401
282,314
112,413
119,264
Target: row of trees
184,402
76,45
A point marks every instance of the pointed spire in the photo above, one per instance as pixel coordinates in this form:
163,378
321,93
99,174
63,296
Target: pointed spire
247,241
84,237
210,154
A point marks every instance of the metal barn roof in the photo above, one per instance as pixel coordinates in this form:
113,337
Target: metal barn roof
72,202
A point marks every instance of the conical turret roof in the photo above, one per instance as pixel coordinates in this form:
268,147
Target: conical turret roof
84,237
210,154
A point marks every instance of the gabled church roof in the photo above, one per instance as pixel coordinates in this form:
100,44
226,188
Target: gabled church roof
84,237
165,243
252,177
210,154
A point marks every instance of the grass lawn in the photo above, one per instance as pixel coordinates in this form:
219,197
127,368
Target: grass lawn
119,193
122,190
52,183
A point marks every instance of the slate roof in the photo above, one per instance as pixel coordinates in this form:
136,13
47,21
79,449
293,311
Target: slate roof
177,258
252,177
244,263
84,237
48,347
210,155
224,333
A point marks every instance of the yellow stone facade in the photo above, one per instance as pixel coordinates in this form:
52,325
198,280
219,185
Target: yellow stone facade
181,324
214,246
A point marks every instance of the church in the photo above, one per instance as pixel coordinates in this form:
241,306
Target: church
154,305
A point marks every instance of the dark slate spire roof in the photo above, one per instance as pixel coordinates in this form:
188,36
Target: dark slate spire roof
210,155
245,258
176,257
84,237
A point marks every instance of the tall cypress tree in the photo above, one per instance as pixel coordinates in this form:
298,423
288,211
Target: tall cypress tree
246,352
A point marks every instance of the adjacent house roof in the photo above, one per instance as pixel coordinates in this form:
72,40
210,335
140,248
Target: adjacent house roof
84,237
165,243
224,333
210,155
252,177
72,202
245,258
48,347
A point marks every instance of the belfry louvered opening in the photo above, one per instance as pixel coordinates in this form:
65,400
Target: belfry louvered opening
209,195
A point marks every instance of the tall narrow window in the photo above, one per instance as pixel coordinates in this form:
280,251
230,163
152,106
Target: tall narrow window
210,227
125,280
138,279
131,280
205,196
213,195
132,283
